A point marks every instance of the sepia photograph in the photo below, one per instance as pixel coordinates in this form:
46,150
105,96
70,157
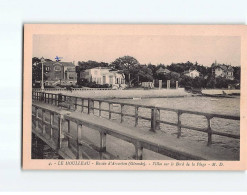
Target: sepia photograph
135,96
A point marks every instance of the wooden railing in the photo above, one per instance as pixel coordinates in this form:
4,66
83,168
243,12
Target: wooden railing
72,103
58,135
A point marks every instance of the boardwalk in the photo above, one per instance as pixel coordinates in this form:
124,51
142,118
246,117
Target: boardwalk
112,140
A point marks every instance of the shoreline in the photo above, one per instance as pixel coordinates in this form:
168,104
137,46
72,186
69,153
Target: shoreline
126,94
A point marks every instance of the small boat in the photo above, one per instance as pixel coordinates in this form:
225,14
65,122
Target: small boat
214,99
217,95
137,98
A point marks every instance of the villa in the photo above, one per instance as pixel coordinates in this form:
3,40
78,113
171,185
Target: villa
103,75
225,71
62,73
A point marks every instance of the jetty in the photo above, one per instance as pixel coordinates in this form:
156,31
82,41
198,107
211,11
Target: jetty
59,121
226,93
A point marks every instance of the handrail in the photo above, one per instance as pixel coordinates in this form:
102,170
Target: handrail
62,100
72,143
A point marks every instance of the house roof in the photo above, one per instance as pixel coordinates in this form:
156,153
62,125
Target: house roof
61,63
224,67
188,71
163,70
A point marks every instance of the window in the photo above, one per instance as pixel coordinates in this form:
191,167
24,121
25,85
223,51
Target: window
111,80
47,68
98,80
57,68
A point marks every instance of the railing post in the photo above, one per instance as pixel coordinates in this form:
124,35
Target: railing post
209,130
89,105
42,96
92,106
157,119
75,103
100,108
102,143
138,151
109,110
82,105
136,116
51,123
179,124
122,112
59,99
153,119
52,99
48,98
79,137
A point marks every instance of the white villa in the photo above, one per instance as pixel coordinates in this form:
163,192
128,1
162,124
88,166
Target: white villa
225,71
192,73
102,75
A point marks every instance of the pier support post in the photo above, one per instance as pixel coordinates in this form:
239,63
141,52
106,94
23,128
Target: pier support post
179,124
43,122
138,151
36,119
51,124
209,130
79,137
102,143
67,140
60,130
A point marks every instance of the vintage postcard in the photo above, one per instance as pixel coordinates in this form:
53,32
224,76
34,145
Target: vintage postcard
134,97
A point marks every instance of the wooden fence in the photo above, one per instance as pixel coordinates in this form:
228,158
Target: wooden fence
72,103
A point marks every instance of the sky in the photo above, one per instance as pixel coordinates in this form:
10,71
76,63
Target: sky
146,49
